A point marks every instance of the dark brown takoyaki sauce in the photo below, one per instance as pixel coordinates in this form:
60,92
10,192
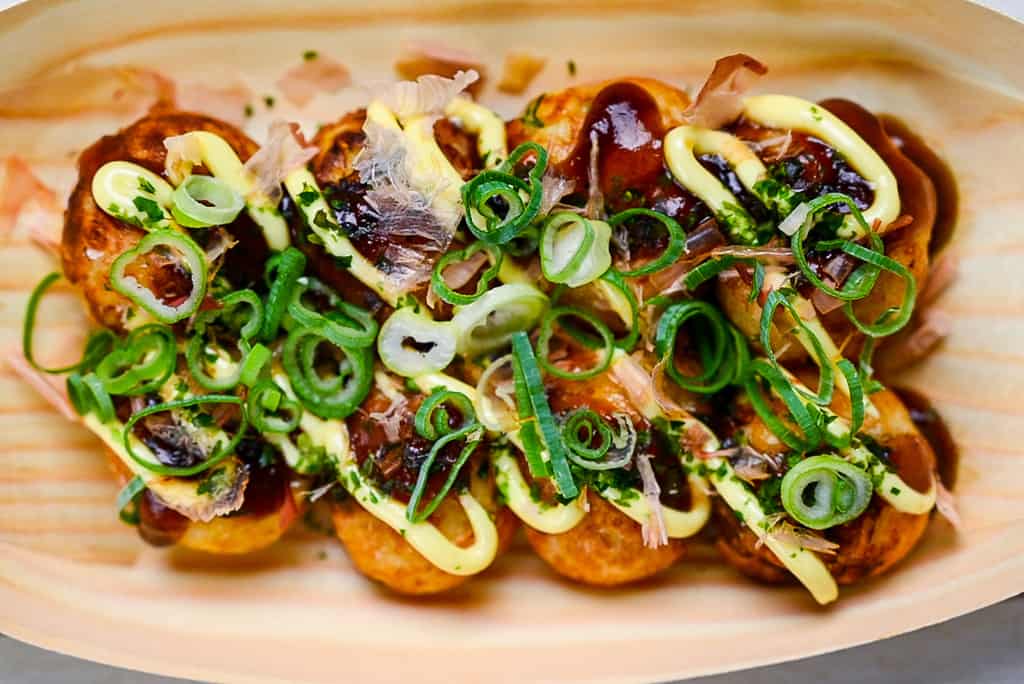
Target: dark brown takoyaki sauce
269,477
935,430
158,524
946,192
808,165
393,462
359,218
625,122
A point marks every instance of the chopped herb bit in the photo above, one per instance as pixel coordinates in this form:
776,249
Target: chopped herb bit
214,484
268,100
343,261
146,186
572,67
816,113
249,110
310,55
308,195
530,115
895,491
202,419
149,207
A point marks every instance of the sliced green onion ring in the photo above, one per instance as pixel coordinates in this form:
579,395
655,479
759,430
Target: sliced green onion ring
335,398
432,417
413,512
411,344
220,452
198,346
615,448
253,365
574,250
722,349
265,404
141,363
488,323
287,269
347,325
520,198
191,258
823,491
806,416
99,344
541,410
88,395
457,298
613,279
676,240
547,327
204,201
528,435
784,298
862,281
128,496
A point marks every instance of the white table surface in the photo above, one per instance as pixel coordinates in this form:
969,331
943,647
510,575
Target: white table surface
986,647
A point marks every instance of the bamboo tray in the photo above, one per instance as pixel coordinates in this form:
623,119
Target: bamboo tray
74,579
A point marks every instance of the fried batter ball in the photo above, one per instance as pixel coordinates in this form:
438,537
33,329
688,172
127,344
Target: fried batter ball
378,551
868,545
269,508
93,239
606,548
908,244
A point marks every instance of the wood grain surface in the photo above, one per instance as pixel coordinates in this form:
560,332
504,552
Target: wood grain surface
74,579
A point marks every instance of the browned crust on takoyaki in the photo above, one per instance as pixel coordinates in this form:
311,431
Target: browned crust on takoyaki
909,245
92,239
235,534
869,545
383,555
605,549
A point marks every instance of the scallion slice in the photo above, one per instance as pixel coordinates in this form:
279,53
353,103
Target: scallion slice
220,451
97,346
500,205
411,344
433,421
449,295
823,491
204,201
337,396
186,252
722,349
265,405
549,432
676,239
547,327
574,250
488,323
141,363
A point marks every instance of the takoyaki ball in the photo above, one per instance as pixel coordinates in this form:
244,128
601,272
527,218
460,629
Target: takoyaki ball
92,239
606,548
868,545
816,169
334,167
269,505
383,433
